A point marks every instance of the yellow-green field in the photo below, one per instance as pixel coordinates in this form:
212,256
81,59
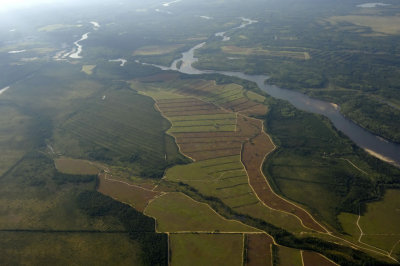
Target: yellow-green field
255,96
177,212
263,52
206,249
156,49
289,256
386,24
88,69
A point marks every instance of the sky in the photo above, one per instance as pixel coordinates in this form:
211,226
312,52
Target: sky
12,4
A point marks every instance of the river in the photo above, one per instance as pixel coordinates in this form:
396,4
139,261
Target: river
376,146
76,55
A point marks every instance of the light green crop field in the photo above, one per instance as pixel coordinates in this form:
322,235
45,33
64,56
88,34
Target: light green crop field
176,212
205,90
37,248
255,96
206,249
289,257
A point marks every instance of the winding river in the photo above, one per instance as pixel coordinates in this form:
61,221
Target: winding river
376,146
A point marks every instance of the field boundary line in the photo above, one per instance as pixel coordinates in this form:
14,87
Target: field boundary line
394,246
302,258
243,250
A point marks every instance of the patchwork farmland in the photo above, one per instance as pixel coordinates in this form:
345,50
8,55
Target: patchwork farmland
237,181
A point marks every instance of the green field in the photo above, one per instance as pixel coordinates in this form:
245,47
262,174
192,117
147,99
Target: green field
176,212
206,249
289,257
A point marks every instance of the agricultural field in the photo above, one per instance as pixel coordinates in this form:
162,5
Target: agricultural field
379,24
312,258
229,181
263,52
56,27
38,248
206,249
378,230
124,191
156,50
176,212
289,256
105,163
76,166
31,199
139,142
258,250
14,136
88,69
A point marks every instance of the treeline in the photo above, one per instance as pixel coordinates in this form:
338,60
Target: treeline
140,227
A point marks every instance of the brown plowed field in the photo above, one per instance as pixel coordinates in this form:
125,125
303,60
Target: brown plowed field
315,259
248,127
259,250
133,195
232,104
253,155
